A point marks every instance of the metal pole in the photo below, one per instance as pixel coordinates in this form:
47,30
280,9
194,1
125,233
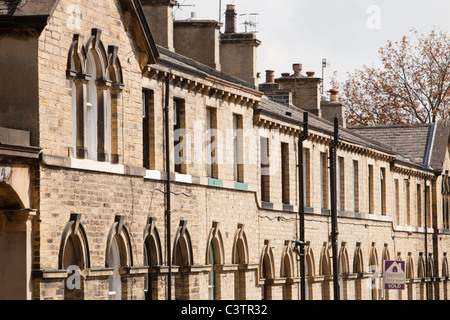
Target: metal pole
168,200
301,204
334,227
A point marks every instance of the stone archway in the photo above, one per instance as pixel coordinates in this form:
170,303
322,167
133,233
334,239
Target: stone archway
15,233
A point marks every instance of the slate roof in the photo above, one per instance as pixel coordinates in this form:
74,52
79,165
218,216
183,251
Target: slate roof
278,110
172,59
410,141
26,7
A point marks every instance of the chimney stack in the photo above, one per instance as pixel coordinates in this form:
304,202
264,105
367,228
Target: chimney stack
159,15
230,19
270,76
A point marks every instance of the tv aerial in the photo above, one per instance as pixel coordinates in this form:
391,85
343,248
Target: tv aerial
250,22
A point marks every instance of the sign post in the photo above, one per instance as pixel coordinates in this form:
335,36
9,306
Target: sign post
394,275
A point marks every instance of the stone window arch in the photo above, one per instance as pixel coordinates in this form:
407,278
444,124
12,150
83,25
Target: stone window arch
287,269
325,260
240,247
445,273
74,249
118,255
409,267
152,254
96,81
240,257
358,264
266,270
182,254
74,257
214,256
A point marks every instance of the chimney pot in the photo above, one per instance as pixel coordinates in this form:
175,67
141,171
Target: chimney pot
270,76
297,67
333,94
285,74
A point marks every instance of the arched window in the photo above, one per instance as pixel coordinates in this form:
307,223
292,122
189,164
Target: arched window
118,255
96,79
74,256
343,266
152,253
214,257
445,273
182,255
240,256
267,270
287,269
325,260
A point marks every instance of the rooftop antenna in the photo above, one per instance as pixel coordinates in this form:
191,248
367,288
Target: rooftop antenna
325,64
250,22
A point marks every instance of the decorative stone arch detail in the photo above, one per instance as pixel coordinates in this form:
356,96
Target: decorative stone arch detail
287,260
358,262
240,253
215,238
108,66
325,266
309,260
445,269
343,259
182,253
152,243
409,267
373,258
74,232
421,265
267,263
120,233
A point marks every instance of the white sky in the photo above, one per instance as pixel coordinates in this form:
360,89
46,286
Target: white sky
306,31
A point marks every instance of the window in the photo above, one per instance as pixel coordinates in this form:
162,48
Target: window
115,285
419,205
148,128
407,202
91,114
324,180
212,169
179,126
383,190
341,184
355,186
370,189
285,189
265,169
445,211
212,274
238,167
396,202
95,90
307,177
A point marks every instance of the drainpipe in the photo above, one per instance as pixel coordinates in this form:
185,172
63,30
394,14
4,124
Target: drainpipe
168,191
334,227
301,206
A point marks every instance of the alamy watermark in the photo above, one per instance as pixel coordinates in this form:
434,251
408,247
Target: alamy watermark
374,17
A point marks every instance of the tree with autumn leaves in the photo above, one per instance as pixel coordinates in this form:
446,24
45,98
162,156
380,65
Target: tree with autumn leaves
411,86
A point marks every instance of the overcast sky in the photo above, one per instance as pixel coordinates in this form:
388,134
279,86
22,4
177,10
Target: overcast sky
348,33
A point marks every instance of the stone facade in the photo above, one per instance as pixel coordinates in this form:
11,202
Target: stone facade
102,211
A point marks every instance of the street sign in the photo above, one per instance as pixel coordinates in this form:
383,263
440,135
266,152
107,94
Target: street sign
394,275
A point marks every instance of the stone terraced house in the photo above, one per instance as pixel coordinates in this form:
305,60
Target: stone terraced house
137,150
